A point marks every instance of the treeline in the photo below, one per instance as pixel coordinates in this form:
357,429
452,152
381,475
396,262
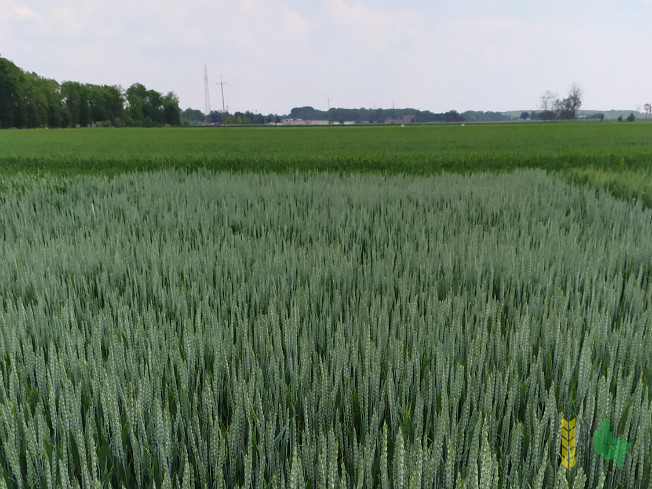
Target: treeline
29,101
380,116
551,115
339,116
196,116
555,108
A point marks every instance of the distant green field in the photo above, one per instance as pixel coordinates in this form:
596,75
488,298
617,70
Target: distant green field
393,149
612,156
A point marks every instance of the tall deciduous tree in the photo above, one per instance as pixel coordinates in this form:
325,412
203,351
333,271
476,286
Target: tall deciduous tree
153,108
548,100
171,112
75,98
36,100
136,94
648,109
554,108
11,99
574,99
106,104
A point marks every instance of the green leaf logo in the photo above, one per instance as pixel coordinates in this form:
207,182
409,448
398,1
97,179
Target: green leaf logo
608,446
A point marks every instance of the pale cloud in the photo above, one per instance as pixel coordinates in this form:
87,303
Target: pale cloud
358,14
502,41
377,29
11,11
66,21
22,13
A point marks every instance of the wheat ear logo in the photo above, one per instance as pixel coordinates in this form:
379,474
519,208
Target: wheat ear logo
568,441
608,446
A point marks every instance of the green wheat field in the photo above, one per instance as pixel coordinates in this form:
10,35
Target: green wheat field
338,307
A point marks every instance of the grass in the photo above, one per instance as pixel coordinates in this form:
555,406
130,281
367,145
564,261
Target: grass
419,150
624,183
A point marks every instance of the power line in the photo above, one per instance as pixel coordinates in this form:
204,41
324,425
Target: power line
207,98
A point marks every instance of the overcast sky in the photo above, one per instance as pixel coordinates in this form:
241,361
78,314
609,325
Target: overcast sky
277,54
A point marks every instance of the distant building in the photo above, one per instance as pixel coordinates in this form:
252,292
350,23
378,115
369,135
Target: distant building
406,119
301,122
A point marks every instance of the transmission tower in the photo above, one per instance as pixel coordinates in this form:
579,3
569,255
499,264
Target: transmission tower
207,98
221,84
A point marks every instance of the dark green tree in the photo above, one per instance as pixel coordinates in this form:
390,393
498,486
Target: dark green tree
36,101
106,104
76,102
453,116
136,95
11,97
307,114
193,115
55,104
153,108
171,112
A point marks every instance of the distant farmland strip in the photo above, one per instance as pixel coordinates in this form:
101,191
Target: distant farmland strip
419,150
